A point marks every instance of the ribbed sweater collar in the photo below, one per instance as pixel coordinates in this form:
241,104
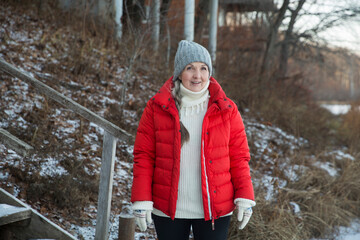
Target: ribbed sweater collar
190,98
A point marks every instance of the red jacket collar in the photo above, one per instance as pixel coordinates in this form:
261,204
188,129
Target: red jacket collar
217,96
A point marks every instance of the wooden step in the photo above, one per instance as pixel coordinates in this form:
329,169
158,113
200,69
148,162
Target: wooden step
38,227
11,214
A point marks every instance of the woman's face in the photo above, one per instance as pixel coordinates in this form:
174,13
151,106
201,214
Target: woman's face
195,76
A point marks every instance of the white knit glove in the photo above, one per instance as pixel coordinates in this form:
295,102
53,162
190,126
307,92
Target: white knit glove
244,207
142,212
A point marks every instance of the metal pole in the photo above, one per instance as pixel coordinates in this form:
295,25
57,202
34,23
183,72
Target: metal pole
105,187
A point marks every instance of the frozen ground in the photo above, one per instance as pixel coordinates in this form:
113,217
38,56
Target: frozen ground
267,139
271,146
350,233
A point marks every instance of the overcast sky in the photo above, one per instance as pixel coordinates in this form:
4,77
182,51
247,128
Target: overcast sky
345,35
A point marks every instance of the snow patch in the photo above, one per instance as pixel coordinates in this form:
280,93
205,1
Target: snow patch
337,109
327,166
296,207
350,233
50,167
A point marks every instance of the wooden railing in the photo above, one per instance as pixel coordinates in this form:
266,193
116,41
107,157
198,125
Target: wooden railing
15,143
111,134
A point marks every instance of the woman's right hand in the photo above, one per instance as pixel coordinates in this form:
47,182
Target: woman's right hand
142,218
142,212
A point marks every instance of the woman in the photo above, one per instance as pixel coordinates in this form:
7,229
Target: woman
191,155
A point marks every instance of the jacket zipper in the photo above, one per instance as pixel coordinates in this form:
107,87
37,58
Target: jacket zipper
207,188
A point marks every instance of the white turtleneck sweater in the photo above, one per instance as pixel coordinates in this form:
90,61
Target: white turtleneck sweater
193,108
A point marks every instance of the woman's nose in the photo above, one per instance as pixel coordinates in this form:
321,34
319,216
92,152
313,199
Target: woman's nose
197,74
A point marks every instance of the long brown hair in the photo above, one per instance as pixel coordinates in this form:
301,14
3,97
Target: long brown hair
185,136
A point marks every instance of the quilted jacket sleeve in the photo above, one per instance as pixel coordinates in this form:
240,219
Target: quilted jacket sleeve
239,158
144,157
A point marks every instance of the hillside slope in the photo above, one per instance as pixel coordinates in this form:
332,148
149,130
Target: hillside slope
60,179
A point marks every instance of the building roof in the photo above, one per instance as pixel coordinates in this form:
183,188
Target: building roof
249,5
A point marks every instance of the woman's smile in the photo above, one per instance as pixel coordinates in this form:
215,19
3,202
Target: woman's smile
195,76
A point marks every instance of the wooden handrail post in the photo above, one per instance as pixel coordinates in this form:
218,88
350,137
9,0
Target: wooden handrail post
126,227
105,187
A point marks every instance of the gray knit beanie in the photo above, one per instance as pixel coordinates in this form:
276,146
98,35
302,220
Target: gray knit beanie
189,52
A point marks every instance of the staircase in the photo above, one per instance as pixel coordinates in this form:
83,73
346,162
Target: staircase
36,226
19,221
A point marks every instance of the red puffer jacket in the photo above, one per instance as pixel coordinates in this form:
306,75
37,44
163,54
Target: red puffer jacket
225,154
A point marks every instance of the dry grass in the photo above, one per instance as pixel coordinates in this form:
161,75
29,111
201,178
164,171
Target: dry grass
325,201
350,129
270,221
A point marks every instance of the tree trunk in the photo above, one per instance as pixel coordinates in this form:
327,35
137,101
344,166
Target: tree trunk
202,12
118,6
164,8
134,12
155,23
222,17
272,37
352,78
65,4
213,29
288,40
189,20
103,8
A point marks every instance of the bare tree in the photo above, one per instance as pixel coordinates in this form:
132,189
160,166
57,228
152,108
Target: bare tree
164,8
288,40
201,18
292,39
272,37
134,13
132,52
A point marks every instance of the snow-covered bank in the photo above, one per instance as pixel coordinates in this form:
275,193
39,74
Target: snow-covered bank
69,147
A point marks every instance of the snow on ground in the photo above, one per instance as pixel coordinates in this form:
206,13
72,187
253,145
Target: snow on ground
350,233
270,145
340,154
268,141
337,109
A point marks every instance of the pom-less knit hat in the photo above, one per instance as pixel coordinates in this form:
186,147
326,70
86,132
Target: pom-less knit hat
187,53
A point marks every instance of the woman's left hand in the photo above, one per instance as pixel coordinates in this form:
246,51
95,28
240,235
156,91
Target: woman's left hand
244,207
243,216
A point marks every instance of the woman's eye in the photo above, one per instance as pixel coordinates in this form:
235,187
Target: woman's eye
188,68
204,68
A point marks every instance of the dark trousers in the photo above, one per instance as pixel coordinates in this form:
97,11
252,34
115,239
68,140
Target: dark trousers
179,229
